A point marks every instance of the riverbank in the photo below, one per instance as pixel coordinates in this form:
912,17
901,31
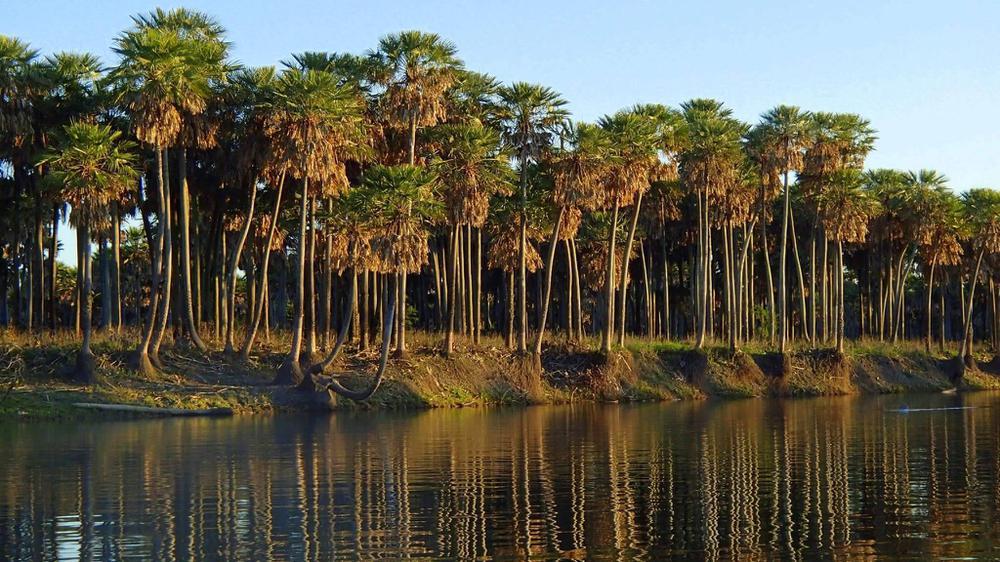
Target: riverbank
33,384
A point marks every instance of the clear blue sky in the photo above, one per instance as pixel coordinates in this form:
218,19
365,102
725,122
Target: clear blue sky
927,74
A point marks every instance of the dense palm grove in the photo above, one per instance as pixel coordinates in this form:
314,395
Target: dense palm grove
352,198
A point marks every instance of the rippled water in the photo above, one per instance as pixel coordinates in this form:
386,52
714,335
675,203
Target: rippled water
798,479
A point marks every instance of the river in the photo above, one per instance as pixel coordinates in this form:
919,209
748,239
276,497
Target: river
845,477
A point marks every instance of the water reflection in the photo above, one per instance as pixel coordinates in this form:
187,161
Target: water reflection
838,478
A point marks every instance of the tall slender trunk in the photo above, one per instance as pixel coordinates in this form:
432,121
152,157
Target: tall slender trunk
578,291
840,296
452,265
116,268
309,315
624,278
290,372
609,285
85,359
930,292
166,262
964,352
185,219
549,266
798,269
782,266
522,272
143,362
234,262
53,270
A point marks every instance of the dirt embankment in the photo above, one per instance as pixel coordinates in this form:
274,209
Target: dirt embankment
32,386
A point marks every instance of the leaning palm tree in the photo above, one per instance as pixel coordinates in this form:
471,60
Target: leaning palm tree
529,116
416,70
847,209
785,133
317,124
92,167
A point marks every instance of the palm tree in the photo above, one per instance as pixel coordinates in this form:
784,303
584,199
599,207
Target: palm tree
982,214
940,238
317,124
93,167
847,207
837,141
785,134
70,91
578,173
649,137
416,70
529,116
249,94
161,80
709,167
472,167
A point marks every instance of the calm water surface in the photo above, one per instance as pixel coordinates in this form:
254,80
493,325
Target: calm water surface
845,478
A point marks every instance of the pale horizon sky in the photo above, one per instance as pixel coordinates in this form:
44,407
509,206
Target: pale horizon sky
925,73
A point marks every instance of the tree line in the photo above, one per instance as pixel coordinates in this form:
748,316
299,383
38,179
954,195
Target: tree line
349,198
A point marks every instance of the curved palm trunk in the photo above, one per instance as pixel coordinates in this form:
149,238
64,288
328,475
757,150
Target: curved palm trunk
167,265
143,363
623,280
549,263
964,352
345,324
387,323
609,285
290,372
185,218
234,262
262,300
802,283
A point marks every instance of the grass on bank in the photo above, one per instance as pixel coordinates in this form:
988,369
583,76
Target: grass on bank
33,369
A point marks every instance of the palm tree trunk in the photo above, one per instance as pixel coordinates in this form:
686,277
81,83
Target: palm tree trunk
930,292
782,266
549,266
309,315
624,278
387,323
185,212
452,265
509,336
290,372
85,359
577,290
142,361
116,268
840,296
609,285
964,352
168,267
798,269
345,325
234,262
53,269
